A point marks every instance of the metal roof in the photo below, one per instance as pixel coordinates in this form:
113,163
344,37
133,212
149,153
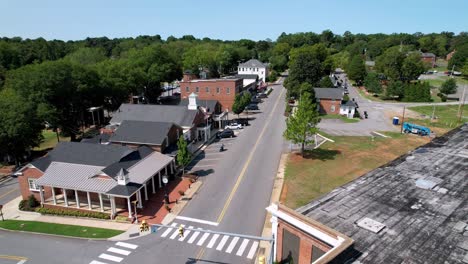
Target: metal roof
76,177
149,166
253,63
176,114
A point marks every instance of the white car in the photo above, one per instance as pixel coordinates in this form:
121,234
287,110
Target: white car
233,126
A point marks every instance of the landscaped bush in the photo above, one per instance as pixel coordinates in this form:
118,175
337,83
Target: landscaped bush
55,211
28,205
269,91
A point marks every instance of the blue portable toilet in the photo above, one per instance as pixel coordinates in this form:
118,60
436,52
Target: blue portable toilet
396,120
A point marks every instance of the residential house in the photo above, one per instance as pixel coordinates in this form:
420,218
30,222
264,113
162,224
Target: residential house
429,58
193,120
95,177
159,136
329,100
223,90
450,55
348,108
254,66
410,210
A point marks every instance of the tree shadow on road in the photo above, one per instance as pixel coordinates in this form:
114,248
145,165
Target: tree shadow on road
193,261
321,154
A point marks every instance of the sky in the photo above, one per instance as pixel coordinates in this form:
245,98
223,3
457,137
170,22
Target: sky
226,20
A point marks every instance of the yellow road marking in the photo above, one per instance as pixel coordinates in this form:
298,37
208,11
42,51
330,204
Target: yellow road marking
244,169
241,175
12,257
5,194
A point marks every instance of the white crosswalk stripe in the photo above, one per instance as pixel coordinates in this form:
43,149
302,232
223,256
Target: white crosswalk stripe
176,232
110,257
186,233
126,245
253,249
202,239
232,245
97,262
194,236
168,231
212,241
119,251
222,243
242,247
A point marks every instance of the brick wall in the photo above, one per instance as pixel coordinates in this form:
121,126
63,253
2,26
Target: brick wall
32,173
305,246
227,90
326,106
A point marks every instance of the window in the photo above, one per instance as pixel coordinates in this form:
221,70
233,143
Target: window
197,89
256,69
332,108
316,253
217,89
207,89
187,89
290,249
228,90
32,185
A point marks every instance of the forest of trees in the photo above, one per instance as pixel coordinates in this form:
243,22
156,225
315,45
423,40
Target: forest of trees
56,81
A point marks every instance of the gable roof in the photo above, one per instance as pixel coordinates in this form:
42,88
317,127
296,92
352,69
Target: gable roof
428,55
176,114
82,153
211,104
350,103
421,199
127,161
141,132
253,63
329,93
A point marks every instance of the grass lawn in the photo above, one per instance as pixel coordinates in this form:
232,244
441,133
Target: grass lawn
50,140
446,116
343,118
59,229
335,164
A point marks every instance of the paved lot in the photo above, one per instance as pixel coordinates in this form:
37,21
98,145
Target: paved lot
9,190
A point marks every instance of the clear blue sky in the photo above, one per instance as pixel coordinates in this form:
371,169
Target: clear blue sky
222,19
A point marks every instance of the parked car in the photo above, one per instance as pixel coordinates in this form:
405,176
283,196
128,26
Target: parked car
261,95
227,133
252,107
242,121
233,126
255,100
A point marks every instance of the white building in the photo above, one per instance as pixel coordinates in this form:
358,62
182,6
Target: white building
253,66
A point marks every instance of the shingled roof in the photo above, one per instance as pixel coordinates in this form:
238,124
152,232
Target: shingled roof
420,199
329,93
253,63
142,132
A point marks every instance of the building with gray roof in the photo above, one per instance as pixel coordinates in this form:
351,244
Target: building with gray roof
253,67
411,210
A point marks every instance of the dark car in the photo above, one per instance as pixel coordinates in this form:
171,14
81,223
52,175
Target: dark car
242,121
251,107
262,95
255,100
227,133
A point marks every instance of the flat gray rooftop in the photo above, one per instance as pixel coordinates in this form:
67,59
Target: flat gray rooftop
419,198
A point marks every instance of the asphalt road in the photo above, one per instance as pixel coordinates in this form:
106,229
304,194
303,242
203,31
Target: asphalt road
9,190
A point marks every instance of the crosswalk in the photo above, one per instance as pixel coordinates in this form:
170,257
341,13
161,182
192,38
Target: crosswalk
115,253
241,247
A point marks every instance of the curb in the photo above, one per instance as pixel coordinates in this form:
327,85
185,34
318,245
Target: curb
53,235
182,203
264,248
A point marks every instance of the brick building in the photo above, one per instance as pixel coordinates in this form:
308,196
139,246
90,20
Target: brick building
224,90
429,58
329,100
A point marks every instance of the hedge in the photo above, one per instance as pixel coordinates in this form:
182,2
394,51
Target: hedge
53,211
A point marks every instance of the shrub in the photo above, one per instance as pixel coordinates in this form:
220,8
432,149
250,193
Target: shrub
28,205
65,212
356,114
32,202
181,192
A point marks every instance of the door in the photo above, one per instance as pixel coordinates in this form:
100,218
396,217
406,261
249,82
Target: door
290,250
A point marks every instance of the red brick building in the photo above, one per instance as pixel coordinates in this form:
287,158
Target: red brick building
429,58
224,90
329,100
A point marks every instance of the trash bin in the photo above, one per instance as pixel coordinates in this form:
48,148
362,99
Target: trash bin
396,120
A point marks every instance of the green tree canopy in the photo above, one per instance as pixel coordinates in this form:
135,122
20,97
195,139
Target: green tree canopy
412,67
238,105
390,63
325,82
395,89
183,154
302,124
356,69
449,86
372,83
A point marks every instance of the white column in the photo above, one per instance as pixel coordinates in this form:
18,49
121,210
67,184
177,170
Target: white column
160,186
140,204
65,199
101,203
77,199
274,229
53,196
112,202
166,169
41,193
152,182
129,208
172,169
89,201
146,192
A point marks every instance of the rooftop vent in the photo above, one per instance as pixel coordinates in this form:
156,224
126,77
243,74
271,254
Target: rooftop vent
370,224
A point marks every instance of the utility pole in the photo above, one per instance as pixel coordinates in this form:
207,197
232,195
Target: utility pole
460,106
433,112
403,119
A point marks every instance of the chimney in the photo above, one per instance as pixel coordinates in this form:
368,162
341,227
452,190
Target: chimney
122,177
193,101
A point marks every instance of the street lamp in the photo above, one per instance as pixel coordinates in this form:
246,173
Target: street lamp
165,180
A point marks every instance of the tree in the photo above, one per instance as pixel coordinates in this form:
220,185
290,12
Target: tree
449,86
372,83
302,124
395,89
325,82
183,154
390,63
246,98
417,92
459,58
238,106
357,69
412,67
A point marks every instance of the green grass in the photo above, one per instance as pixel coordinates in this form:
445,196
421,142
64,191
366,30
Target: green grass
447,116
59,229
50,140
337,163
343,118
